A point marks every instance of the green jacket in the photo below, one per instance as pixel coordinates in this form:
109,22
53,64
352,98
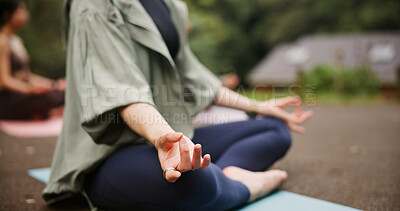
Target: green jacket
115,57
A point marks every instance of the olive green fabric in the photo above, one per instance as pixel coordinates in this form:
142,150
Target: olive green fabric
115,57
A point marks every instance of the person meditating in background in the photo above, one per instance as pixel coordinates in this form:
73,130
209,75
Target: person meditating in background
127,142
23,94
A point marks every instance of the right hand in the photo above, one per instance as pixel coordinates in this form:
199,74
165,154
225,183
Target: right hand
178,151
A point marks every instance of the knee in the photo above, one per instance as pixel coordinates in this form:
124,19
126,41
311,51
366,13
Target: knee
284,140
202,186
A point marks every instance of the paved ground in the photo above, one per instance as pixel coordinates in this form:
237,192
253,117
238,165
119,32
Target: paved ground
350,156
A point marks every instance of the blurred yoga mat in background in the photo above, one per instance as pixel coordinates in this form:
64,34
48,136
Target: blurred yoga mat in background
32,129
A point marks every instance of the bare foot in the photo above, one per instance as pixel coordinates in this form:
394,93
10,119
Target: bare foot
259,184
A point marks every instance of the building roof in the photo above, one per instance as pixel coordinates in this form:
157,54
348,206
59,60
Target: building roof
381,51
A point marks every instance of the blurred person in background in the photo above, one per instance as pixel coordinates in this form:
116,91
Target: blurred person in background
23,94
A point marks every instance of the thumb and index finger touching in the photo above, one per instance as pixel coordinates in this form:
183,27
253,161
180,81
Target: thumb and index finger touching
186,163
285,101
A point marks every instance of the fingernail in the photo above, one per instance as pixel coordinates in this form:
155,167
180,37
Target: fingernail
178,135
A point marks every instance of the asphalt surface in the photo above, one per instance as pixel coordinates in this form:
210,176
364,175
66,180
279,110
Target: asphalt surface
349,155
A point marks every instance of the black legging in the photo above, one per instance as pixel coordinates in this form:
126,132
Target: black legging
16,106
131,178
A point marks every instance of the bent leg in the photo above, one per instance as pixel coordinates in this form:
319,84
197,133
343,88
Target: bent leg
131,179
20,106
42,104
253,144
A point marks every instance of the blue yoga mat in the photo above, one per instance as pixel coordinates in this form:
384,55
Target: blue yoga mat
279,200
42,174
284,200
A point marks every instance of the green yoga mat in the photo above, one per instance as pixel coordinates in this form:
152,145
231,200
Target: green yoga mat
279,200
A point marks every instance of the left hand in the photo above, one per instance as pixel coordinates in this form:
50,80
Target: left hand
275,107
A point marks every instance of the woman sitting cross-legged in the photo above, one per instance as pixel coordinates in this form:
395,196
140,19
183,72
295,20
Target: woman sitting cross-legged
128,142
23,94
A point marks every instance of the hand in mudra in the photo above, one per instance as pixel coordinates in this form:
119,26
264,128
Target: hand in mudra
275,107
178,151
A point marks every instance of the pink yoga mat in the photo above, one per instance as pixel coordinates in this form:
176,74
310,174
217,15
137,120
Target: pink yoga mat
31,129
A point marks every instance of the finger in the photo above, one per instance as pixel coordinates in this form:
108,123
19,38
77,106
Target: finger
173,136
172,175
298,109
185,164
169,139
196,160
298,99
304,116
287,101
206,161
282,114
296,128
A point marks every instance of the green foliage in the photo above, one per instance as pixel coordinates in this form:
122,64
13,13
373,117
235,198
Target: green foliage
359,81
321,77
347,82
42,38
227,35
261,95
237,34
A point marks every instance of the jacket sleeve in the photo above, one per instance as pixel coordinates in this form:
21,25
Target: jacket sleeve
107,76
201,85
